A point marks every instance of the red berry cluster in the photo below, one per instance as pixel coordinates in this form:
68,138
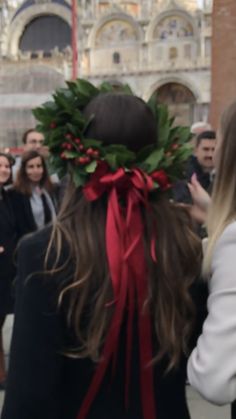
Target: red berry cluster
90,154
75,144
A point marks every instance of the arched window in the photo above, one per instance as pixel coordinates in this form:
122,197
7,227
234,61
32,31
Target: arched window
116,58
45,33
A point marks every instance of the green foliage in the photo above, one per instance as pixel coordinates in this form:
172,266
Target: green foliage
62,122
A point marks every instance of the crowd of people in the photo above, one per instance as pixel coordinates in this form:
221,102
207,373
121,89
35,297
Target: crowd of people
109,294
28,201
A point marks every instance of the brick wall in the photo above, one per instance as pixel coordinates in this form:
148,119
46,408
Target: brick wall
223,57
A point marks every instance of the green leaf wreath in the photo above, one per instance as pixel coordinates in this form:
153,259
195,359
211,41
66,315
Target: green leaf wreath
63,125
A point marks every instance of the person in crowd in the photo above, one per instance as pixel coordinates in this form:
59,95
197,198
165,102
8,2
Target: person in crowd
212,364
33,194
104,312
197,128
32,140
200,164
201,167
8,241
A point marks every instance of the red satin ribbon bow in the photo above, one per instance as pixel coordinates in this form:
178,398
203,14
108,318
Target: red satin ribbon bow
126,259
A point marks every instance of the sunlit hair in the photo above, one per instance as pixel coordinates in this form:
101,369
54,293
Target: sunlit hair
80,233
23,183
223,207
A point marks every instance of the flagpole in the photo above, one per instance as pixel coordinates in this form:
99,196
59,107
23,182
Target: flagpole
74,40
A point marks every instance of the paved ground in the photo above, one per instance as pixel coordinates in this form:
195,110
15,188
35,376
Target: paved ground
199,408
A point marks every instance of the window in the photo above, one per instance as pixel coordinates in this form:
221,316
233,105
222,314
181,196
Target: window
44,33
116,58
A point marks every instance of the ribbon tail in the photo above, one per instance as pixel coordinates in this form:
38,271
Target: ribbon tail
146,373
114,242
130,321
144,324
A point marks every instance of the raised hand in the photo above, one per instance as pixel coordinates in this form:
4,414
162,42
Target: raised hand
199,196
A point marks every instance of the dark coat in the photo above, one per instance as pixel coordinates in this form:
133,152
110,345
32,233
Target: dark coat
8,239
23,213
43,383
181,191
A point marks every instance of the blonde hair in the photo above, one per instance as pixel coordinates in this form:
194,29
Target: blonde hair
223,208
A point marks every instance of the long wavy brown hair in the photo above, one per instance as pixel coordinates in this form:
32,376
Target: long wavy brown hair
22,183
123,119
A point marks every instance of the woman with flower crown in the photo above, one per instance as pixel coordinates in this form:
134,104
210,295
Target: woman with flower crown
105,314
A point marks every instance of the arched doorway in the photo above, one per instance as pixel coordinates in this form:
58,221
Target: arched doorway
180,100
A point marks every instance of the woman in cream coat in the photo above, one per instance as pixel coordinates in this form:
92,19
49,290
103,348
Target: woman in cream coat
212,364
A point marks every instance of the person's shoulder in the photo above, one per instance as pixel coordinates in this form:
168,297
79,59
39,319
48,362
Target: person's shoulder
34,245
224,259
13,192
9,189
12,195
228,235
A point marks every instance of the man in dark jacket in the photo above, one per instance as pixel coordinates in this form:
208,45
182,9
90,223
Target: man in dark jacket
200,164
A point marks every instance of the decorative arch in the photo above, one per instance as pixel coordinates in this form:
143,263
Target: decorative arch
174,79
175,93
172,24
180,98
22,19
114,29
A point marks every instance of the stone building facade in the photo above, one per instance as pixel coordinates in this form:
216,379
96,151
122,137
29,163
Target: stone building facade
158,47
